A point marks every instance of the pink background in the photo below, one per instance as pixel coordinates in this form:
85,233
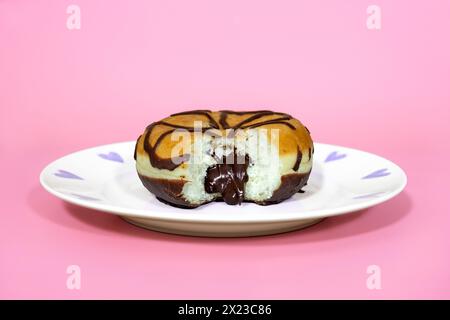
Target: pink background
133,62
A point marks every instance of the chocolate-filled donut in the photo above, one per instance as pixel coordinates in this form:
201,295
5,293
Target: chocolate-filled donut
195,157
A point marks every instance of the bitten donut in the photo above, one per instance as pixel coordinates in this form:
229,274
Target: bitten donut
195,157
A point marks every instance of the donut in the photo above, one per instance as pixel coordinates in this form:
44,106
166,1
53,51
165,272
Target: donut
195,157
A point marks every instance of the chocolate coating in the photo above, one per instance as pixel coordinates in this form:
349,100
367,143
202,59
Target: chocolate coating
169,191
290,185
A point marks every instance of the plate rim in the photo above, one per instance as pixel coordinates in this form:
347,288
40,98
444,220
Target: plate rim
176,216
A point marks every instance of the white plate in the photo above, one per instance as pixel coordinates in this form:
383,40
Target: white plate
104,178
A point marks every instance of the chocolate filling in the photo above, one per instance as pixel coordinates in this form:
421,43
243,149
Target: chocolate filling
228,178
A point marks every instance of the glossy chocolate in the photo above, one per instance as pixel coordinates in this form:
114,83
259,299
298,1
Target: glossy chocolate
167,191
228,178
290,185
298,160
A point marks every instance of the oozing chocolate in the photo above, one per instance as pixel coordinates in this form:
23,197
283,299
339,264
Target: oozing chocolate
228,178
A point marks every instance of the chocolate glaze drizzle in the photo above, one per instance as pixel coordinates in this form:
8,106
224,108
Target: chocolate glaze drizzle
257,114
168,163
206,113
299,159
223,124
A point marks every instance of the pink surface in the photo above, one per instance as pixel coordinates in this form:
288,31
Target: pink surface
383,91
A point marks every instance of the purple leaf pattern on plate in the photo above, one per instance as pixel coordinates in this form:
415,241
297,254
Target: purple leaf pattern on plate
377,174
335,156
112,156
369,195
83,197
67,175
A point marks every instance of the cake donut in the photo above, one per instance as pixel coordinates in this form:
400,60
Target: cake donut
191,158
